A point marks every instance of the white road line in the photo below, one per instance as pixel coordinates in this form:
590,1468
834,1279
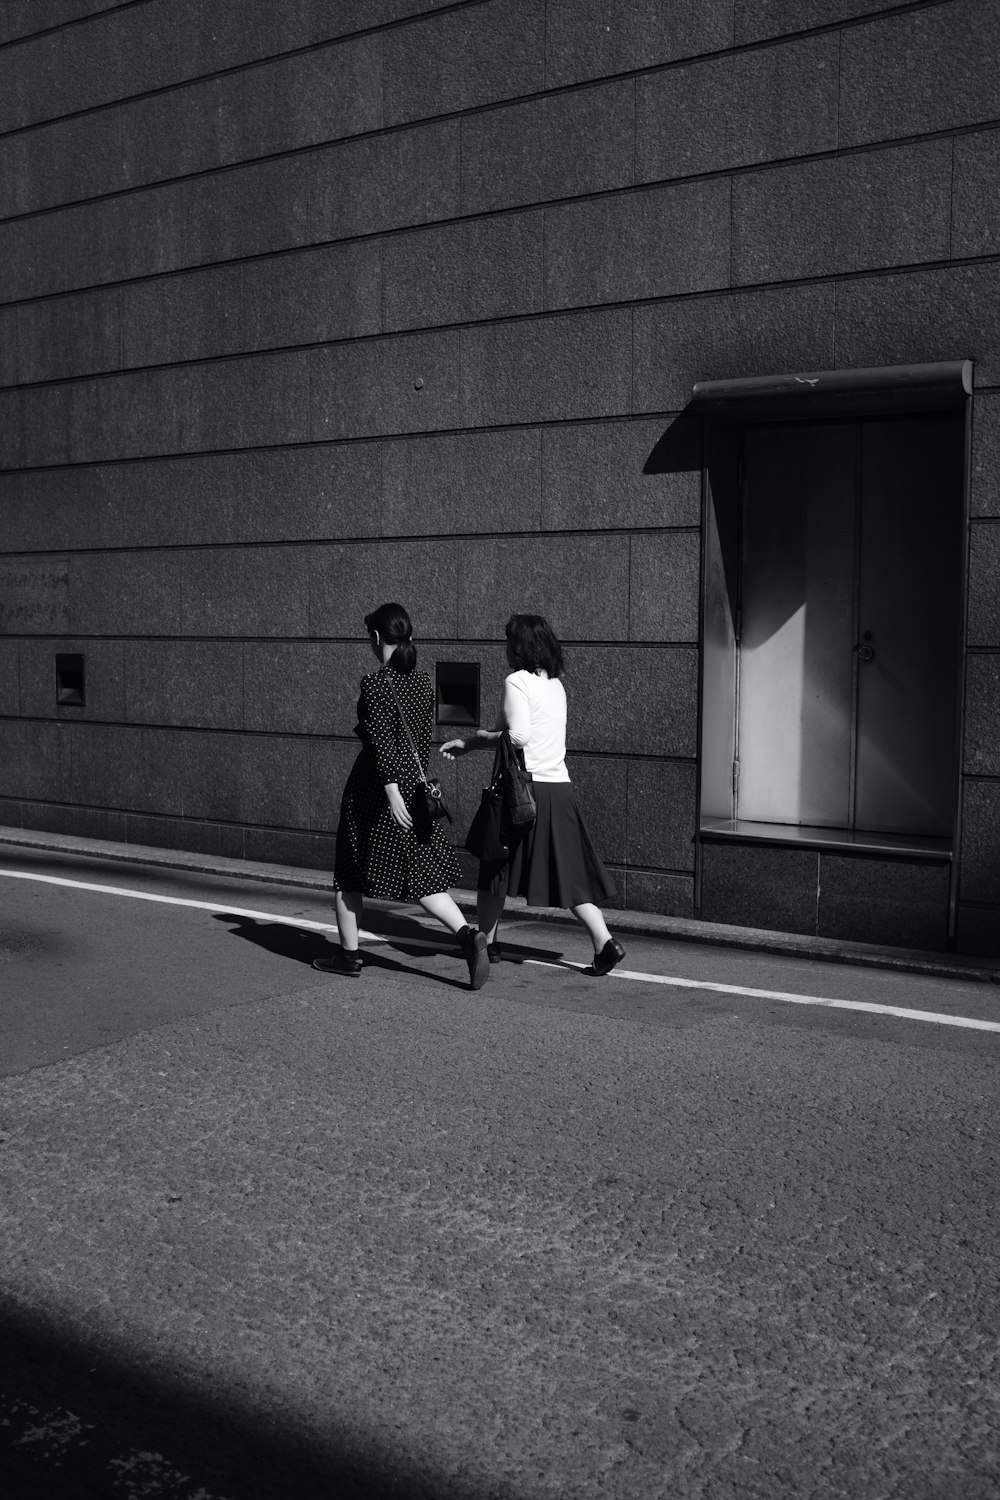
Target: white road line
232,911
738,989
674,981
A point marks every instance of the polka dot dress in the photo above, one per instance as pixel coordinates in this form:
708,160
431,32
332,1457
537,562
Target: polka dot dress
374,855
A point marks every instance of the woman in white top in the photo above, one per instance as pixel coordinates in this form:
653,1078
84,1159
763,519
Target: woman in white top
553,861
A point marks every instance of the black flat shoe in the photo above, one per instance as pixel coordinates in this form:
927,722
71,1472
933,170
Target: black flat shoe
493,951
342,962
612,953
473,945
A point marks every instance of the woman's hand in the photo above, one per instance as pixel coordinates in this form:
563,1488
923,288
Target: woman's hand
397,806
452,749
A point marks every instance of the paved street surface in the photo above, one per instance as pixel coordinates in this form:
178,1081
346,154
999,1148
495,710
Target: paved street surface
268,1234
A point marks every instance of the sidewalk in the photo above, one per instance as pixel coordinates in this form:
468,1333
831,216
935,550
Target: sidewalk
645,924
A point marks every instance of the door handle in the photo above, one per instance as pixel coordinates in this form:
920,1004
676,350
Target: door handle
865,649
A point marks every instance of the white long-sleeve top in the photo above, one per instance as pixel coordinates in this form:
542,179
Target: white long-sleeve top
534,713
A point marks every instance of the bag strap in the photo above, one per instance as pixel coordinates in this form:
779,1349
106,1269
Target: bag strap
406,730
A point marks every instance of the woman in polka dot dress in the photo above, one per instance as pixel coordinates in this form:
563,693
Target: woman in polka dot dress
385,850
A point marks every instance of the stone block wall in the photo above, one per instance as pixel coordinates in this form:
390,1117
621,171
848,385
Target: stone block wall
306,305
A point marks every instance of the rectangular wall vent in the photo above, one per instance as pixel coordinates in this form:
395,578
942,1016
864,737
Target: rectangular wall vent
457,692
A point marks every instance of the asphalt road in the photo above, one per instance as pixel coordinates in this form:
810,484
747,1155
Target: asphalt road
268,1234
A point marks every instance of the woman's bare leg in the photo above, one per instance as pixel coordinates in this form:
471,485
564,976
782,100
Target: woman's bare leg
593,919
350,905
442,906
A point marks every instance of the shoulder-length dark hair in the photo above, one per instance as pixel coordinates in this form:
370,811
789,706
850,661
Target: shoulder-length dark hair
532,643
393,626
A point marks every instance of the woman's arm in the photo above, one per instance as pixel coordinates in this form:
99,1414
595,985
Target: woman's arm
483,739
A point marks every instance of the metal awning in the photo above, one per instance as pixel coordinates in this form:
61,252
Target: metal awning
829,393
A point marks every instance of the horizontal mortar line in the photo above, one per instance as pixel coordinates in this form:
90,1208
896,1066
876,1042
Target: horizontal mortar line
200,78
73,23
457,220
427,643
737,49
548,315
142,549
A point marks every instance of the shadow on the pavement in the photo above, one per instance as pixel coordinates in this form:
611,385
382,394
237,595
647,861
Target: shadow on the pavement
83,1421
303,944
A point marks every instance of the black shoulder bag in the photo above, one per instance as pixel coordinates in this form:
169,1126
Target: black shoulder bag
431,798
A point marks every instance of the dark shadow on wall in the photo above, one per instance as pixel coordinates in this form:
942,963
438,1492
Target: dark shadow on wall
679,450
85,1420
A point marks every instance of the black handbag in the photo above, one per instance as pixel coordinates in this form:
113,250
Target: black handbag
430,803
487,838
519,799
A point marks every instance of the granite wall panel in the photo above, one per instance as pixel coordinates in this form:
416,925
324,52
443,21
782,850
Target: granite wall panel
304,851
330,763
984,585
125,593
621,697
274,495
385,182
173,134
979,867
404,384
190,316
52,509
596,38
982,713
931,69
194,684
22,18
546,576
664,586
757,19
274,781
594,475
242,591
303,688
975,211
105,692
759,333
638,244
978,929
348,582
316,96
669,895
59,163
203,771
747,885
473,482
466,272
35,758
68,336
103,769
985,466
779,102
952,313
557,147
311,296
661,813
547,369
222,840
34,596
81,822
463,59
884,208
884,901
10,699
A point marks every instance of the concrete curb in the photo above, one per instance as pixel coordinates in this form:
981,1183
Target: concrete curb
640,924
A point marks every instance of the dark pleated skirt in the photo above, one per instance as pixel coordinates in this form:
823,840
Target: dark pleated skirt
553,862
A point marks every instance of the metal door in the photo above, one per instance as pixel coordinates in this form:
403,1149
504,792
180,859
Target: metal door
850,625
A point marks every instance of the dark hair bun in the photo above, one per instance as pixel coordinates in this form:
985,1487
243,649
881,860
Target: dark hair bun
394,628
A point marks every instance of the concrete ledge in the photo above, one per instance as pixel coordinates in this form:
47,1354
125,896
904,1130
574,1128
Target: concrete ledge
642,924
